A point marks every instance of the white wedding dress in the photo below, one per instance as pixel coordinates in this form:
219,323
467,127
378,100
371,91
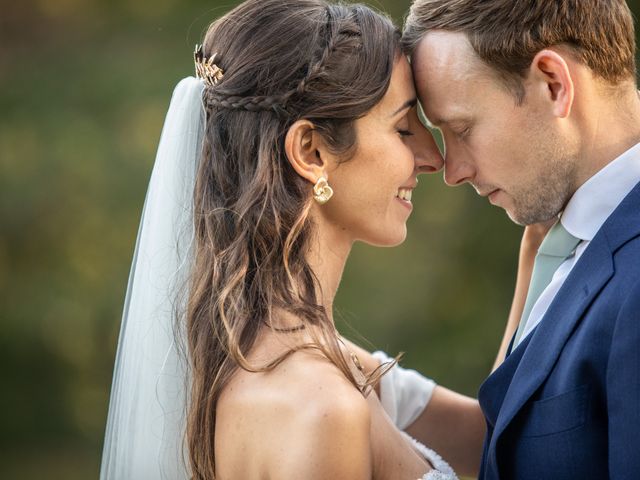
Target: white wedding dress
441,469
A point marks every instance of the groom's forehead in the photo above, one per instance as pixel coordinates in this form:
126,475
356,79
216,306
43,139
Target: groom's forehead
447,70
442,54
451,80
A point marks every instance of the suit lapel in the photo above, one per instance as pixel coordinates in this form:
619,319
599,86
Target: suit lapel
548,339
494,388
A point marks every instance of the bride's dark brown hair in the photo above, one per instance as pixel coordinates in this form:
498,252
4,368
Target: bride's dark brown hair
283,60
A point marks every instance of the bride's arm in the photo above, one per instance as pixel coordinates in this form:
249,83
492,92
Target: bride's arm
531,240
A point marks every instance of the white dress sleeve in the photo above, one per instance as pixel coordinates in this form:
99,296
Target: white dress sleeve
404,393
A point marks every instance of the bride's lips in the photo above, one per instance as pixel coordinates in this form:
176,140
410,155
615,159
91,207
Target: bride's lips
404,196
405,203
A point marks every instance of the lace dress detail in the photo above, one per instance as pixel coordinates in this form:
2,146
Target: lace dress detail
441,469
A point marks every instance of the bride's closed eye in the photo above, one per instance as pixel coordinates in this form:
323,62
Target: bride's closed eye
405,133
403,129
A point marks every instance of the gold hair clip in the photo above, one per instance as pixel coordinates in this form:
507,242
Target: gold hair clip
206,69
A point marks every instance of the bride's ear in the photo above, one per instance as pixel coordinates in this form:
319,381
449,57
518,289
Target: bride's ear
303,145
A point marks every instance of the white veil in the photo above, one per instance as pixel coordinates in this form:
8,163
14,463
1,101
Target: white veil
145,428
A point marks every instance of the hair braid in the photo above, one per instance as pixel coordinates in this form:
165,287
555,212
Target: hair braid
334,31
259,103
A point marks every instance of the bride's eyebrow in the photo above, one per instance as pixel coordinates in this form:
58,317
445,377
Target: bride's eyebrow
408,104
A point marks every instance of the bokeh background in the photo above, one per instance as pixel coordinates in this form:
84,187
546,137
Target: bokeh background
84,87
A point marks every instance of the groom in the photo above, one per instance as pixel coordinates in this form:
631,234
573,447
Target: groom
539,110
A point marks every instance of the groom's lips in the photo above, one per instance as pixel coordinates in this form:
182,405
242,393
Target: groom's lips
492,196
487,193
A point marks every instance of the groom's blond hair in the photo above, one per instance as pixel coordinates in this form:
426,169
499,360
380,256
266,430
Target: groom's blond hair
507,34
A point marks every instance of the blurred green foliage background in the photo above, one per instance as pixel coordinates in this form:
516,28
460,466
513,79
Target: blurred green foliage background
84,87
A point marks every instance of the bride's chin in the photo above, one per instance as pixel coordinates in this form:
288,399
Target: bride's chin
391,238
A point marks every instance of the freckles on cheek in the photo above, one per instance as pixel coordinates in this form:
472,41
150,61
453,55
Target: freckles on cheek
399,164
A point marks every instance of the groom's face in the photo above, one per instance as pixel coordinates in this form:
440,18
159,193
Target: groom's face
513,154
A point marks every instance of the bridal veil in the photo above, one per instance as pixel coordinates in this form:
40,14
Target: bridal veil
145,427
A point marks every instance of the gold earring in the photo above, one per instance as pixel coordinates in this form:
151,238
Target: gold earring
322,192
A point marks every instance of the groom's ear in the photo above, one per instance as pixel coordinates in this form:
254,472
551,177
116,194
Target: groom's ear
303,146
551,72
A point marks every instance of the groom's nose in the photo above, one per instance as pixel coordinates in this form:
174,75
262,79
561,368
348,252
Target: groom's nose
457,170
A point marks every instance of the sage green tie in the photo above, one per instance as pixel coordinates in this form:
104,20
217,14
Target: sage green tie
557,246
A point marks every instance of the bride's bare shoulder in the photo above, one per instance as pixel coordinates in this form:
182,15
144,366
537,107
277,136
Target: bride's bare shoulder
305,415
303,386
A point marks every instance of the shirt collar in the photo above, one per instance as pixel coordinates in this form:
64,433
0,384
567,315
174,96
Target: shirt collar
599,196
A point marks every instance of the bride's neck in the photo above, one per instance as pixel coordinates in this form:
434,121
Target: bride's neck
327,257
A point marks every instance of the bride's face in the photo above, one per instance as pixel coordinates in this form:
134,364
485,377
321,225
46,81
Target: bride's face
372,199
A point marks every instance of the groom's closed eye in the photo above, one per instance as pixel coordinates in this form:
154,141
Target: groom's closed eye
461,132
458,127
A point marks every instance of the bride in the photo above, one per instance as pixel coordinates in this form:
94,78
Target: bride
299,137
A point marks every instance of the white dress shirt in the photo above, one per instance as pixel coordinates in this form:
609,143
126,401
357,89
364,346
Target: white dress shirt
584,215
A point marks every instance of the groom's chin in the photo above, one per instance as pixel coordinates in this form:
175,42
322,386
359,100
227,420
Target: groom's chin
500,200
526,218
516,215
515,219
519,217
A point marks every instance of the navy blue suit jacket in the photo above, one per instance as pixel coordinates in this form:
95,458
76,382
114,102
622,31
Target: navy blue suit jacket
565,404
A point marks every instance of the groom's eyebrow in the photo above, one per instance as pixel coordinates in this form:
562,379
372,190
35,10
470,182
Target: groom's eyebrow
408,104
442,122
438,121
